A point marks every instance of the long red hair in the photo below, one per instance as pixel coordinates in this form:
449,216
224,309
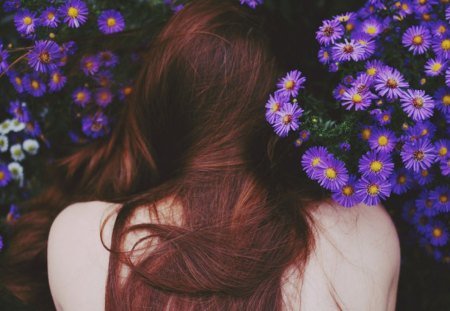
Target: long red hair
194,131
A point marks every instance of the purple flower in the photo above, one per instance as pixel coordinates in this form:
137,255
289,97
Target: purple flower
441,196
34,85
372,190
439,28
417,39
331,173
445,166
371,27
44,55
442,97
19,111
11,5
424,177
252,3
385,116
95,126
273,106
74,12
355,99
345,146
348,50
5,175
25,22
3,59
288,119
423,6
376,164
103,97
373,67
441,46
107,59
312,158
49,17
426,204
442,147
57,81
437,233
382,140
111,21
363,82
401,181
389,82
435,66
81,96
346,195
339,91
291,83
33,129
16,81
324,55
417,105
90,64
329,32
418,155
69,48
367,43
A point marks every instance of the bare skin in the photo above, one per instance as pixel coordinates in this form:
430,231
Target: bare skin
354,266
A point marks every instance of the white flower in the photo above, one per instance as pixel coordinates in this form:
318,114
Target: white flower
31,146
16,170
3,143
5,127
17,126
17,153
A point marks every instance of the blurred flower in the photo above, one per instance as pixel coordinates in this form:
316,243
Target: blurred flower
16,170
25,22
111,21
34,85
5,176
90,65
103,97
435,67
19,110
31,146
96,125
81,96
49,17
17,152
273,106
251,3
3,143
57,81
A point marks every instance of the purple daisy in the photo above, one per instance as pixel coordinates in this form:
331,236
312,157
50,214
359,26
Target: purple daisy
287,119
385,116
423,6
5,175
95,126
426,204
75,13
417,105
104,78
417,39
372,27
346,195
4,55
273,106
348,50
367,43
312,158
329,32
324,55
49,17
44,55
345,146
339,91
376,164
373,67
441,46
90,64
435,67
103,97
81,96
25,22
252,3
418,155
57,81
441,196
363,82
383,140
111,21
355,99
437,233
19,111
34,85
372,190
291,83
107,59
442,100
442,147
424,177
445,166
389,82
401,181
439,28
331,173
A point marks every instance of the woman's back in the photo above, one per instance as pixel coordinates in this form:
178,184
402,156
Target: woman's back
354,265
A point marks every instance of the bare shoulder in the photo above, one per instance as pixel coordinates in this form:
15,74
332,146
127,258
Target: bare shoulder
77,260
358,251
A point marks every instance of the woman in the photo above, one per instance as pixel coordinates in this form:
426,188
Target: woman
209,211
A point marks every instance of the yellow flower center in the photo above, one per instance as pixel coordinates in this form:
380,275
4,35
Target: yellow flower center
45,57
401,180
426,17
56,78
289,85
366,134
275,107
357,98
417,40
81,96
371,30
349,27
373,189
104,96
424,132
446,100
27,20
445,44
443,198
347,190
35,84
422,2
328,31
89,65
348,49
386,117
330,173
315,161
372,71
18,81
96,126
50,16
437,232
376,166
442,29
326,55
72,12
111,22
383,140
417,102
287,119
424,173
342,91
443,151
436,67
391,83
2,175
418,155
